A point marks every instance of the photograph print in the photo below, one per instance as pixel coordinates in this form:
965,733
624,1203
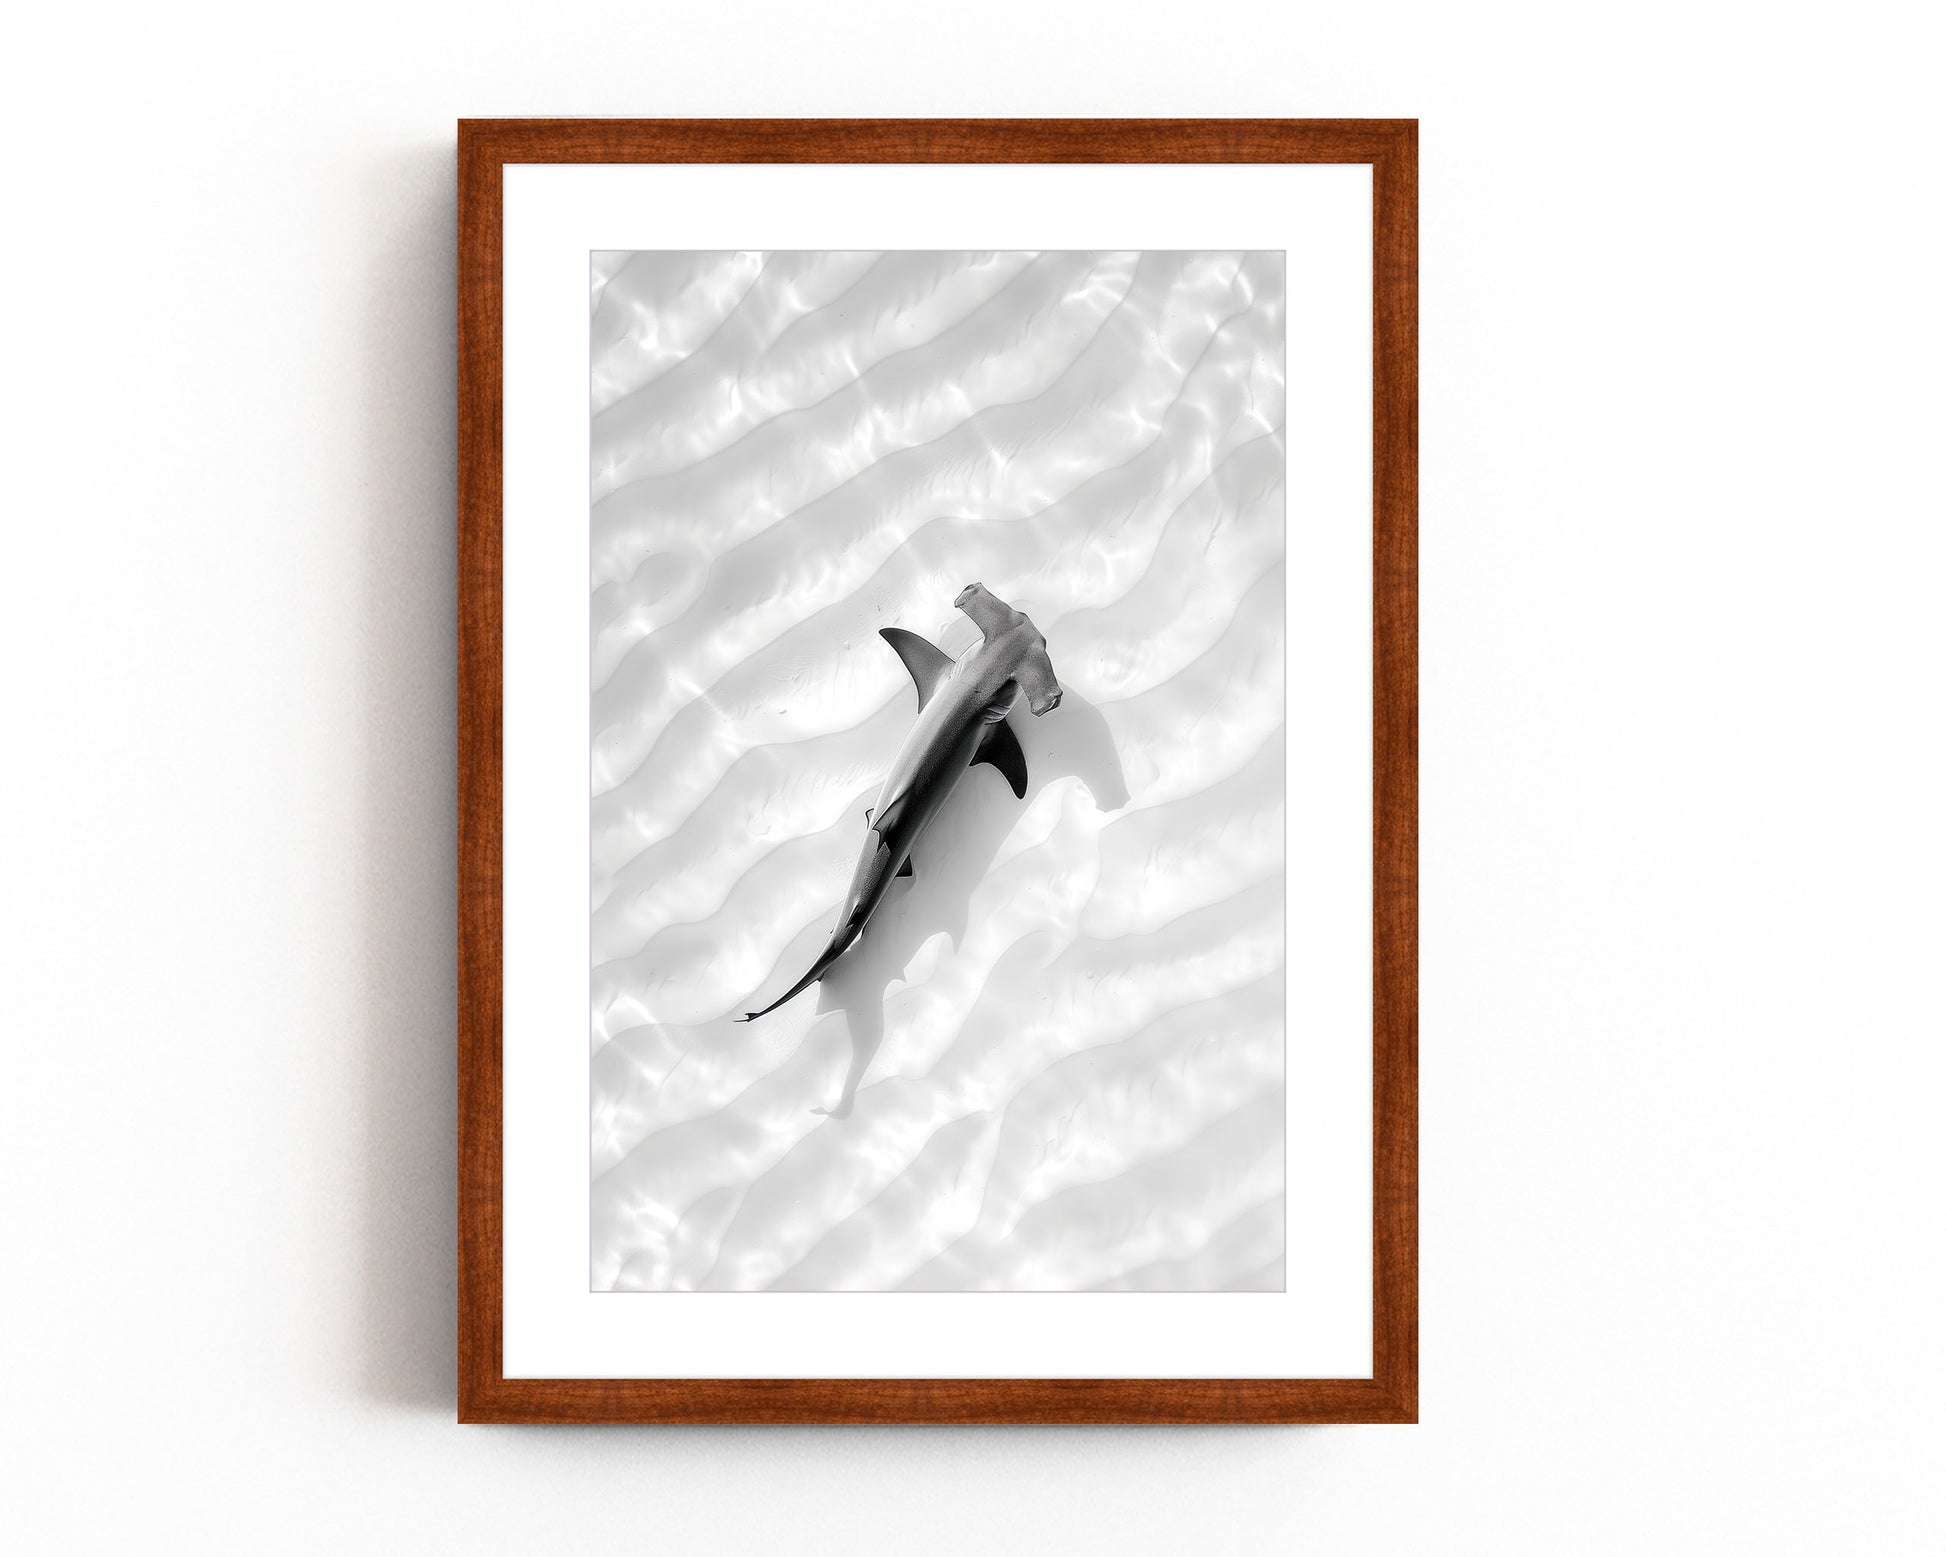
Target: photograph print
937,771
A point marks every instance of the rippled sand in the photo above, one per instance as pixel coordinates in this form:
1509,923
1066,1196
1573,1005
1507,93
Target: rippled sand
1055,1062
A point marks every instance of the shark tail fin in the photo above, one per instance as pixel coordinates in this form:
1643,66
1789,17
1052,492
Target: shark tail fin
817,971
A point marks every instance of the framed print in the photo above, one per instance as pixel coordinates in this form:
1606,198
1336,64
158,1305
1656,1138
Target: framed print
938,776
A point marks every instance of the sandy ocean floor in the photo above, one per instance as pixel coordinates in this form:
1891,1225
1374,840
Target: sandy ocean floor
1056,1059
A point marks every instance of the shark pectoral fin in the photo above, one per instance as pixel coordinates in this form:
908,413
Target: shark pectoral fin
927,665
1002,749
1036,677
906,868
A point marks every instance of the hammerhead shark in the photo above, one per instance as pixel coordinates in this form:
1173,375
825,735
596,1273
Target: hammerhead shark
963,707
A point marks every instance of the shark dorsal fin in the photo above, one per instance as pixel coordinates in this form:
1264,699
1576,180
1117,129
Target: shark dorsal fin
1002,748
927,665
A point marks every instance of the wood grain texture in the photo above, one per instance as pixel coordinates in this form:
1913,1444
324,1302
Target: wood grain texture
1390,146
479,769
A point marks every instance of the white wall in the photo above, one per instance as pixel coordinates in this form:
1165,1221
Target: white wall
1683,1177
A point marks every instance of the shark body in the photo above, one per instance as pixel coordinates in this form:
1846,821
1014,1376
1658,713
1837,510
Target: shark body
963,707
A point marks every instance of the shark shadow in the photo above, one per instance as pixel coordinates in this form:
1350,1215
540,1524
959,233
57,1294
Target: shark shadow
950,860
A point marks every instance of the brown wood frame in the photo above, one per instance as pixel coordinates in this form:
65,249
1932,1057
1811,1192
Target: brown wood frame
1391,147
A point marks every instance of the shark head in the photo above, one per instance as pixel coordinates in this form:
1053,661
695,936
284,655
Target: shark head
1014,635
989,612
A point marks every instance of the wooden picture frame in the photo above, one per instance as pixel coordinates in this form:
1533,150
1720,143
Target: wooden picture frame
486,147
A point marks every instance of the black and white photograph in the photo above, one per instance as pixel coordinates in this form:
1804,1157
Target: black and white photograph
937,777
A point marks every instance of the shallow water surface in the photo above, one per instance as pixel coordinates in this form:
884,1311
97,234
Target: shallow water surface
1055,1060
